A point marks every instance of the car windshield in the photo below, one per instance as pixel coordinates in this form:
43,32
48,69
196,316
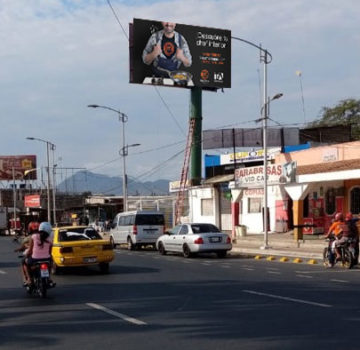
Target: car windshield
204,228
78,234
149,219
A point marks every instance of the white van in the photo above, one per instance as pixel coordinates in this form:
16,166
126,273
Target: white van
136,228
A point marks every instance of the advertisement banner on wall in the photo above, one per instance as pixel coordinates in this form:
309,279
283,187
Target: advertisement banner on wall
276,174
32,201
16,167
174,54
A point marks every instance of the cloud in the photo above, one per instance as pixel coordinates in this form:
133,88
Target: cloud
59,56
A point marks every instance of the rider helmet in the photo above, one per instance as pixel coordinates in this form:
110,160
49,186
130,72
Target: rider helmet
339,217
33,227
45,227
348,216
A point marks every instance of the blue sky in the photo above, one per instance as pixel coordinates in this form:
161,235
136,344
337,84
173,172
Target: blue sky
59,56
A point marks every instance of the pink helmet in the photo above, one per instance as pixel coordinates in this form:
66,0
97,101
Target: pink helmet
339,217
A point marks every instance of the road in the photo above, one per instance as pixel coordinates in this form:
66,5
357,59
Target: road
150,301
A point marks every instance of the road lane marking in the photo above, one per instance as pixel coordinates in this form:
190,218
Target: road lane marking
2,272
304,276
286,298
248,268
117,314
274,272
341,281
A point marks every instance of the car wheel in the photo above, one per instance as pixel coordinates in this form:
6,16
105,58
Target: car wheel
162,250
112,242
186,251
130,244
221,254
104,267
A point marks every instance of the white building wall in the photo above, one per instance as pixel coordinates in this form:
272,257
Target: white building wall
254,221
196,195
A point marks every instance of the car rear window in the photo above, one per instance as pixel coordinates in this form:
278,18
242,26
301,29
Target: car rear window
204,228
144,219
78,234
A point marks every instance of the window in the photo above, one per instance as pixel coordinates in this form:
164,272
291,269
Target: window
355,200
184,230
330,203
207,207
254,205
149,219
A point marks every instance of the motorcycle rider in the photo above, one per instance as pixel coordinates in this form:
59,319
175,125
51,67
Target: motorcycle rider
25,245
354,233
40,248
340,231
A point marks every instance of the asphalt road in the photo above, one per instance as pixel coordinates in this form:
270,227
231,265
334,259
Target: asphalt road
150,301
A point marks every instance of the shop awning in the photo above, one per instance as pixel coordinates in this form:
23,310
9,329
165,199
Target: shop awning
219,179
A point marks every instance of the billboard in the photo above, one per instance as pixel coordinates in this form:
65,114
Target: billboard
32,201
174,54
250,137
14,167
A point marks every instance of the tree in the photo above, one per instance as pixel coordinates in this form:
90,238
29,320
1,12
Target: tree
346,112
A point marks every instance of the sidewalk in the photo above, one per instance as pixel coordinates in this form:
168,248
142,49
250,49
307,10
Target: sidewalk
281,245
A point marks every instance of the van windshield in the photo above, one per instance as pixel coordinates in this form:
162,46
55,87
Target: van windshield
143,219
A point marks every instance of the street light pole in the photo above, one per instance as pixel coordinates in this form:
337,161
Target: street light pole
123,118
48,144
124,153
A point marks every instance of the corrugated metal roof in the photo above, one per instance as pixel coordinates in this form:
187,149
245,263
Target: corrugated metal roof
329,167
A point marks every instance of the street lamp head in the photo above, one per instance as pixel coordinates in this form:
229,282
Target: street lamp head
277,96
30,138
93,106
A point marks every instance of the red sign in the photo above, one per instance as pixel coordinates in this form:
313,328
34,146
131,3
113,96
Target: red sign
32,201
18,167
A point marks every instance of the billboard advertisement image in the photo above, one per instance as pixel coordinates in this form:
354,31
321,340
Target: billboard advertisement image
14,167
174,54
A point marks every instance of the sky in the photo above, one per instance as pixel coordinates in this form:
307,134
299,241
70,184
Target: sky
59,56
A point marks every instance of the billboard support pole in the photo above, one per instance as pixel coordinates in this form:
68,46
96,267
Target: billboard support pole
196,114
14,196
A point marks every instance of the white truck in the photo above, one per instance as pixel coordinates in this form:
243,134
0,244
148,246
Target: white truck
3,221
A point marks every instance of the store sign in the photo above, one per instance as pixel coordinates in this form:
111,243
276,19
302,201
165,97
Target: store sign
330,155
247,156
175,186
32,201
276,174
180,55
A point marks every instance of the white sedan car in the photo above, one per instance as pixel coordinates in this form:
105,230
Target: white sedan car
190,239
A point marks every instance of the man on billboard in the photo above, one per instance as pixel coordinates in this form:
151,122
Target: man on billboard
166,50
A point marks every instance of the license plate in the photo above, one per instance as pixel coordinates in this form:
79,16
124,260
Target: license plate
89,260
215,239
44,273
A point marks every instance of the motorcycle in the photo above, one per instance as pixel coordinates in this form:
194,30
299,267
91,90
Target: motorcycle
347,253
40,277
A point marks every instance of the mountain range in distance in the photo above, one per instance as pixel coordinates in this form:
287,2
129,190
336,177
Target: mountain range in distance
86,181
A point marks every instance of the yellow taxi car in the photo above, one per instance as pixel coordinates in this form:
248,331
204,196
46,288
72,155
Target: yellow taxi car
80,246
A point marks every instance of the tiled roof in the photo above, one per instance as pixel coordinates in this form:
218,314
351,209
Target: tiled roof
328,167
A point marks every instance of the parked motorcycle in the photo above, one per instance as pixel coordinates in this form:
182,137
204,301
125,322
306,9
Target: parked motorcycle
347,252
